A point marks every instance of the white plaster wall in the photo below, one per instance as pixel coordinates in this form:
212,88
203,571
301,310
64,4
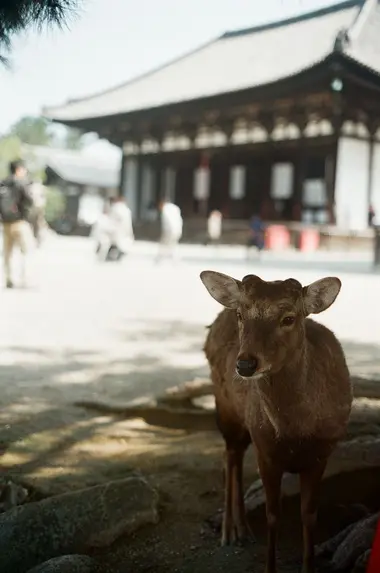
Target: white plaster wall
375,196
237,182
146,189
130,184
351,184
202,176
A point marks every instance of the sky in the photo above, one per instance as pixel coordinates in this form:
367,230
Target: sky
111,41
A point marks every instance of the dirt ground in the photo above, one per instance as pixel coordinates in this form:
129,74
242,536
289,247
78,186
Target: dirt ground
125,334
186,469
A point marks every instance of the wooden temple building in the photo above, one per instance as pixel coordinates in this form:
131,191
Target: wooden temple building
281,120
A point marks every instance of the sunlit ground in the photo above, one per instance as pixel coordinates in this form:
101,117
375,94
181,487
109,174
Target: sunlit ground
125,332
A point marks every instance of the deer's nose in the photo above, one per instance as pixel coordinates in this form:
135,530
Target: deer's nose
247,367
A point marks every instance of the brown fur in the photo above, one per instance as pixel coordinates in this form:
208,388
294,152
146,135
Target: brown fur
294,409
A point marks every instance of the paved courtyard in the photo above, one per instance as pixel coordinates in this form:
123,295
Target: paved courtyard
124,331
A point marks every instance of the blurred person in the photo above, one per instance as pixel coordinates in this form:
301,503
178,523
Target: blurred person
214,227
37,212
101,233
15,204
122,235
256,234
371,216
171,229
113,232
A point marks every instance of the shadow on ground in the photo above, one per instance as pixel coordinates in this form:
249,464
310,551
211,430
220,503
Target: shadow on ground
51,441
54,446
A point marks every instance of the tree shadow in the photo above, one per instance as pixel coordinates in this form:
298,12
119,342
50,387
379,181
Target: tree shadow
48,438
54,446
52,442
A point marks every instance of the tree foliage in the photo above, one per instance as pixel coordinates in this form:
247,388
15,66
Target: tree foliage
10,149
40,131
33,131
55,203
18,15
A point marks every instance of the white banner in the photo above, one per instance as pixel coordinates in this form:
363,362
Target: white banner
282,180
237,182
201,183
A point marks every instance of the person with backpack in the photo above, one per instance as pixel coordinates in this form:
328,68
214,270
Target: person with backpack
15,205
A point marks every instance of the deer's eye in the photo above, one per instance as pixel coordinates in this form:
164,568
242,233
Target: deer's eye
288,321
239,316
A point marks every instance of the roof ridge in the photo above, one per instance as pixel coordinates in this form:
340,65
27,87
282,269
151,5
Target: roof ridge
135,78
295,19
349,34
76,156
309,15
364,13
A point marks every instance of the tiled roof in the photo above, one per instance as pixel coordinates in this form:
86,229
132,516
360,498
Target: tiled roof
76,167
235,61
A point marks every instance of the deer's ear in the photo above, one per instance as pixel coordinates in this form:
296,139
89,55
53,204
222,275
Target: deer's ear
222,288
318,296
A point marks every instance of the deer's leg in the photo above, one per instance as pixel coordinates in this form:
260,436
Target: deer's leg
271,477
227,524
242,530
234,526
237,440
310,481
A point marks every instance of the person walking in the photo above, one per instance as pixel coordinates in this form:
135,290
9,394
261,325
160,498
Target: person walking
121,228
113,232
37,212
214,227
15,205
256,236
171,229
101,233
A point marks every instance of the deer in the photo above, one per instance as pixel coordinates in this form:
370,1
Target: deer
282,384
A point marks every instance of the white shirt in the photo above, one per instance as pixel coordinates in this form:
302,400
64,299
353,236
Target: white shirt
38,194
171,220
214,226
120,217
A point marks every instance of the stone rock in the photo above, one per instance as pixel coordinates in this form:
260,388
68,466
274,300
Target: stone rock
357,454
349,550
357,542
67,564
362,562
74,522
11,495
360,453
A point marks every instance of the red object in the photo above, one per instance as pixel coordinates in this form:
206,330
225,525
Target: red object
309,241
277,237
374,560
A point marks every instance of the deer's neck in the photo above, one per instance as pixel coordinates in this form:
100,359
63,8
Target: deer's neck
284,398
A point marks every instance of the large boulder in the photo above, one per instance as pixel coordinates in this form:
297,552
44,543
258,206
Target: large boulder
360,454
67,564
74,522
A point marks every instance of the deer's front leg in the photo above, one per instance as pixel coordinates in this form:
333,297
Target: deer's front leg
309,485
271,477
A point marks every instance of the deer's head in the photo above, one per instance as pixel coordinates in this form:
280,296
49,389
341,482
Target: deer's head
271,317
